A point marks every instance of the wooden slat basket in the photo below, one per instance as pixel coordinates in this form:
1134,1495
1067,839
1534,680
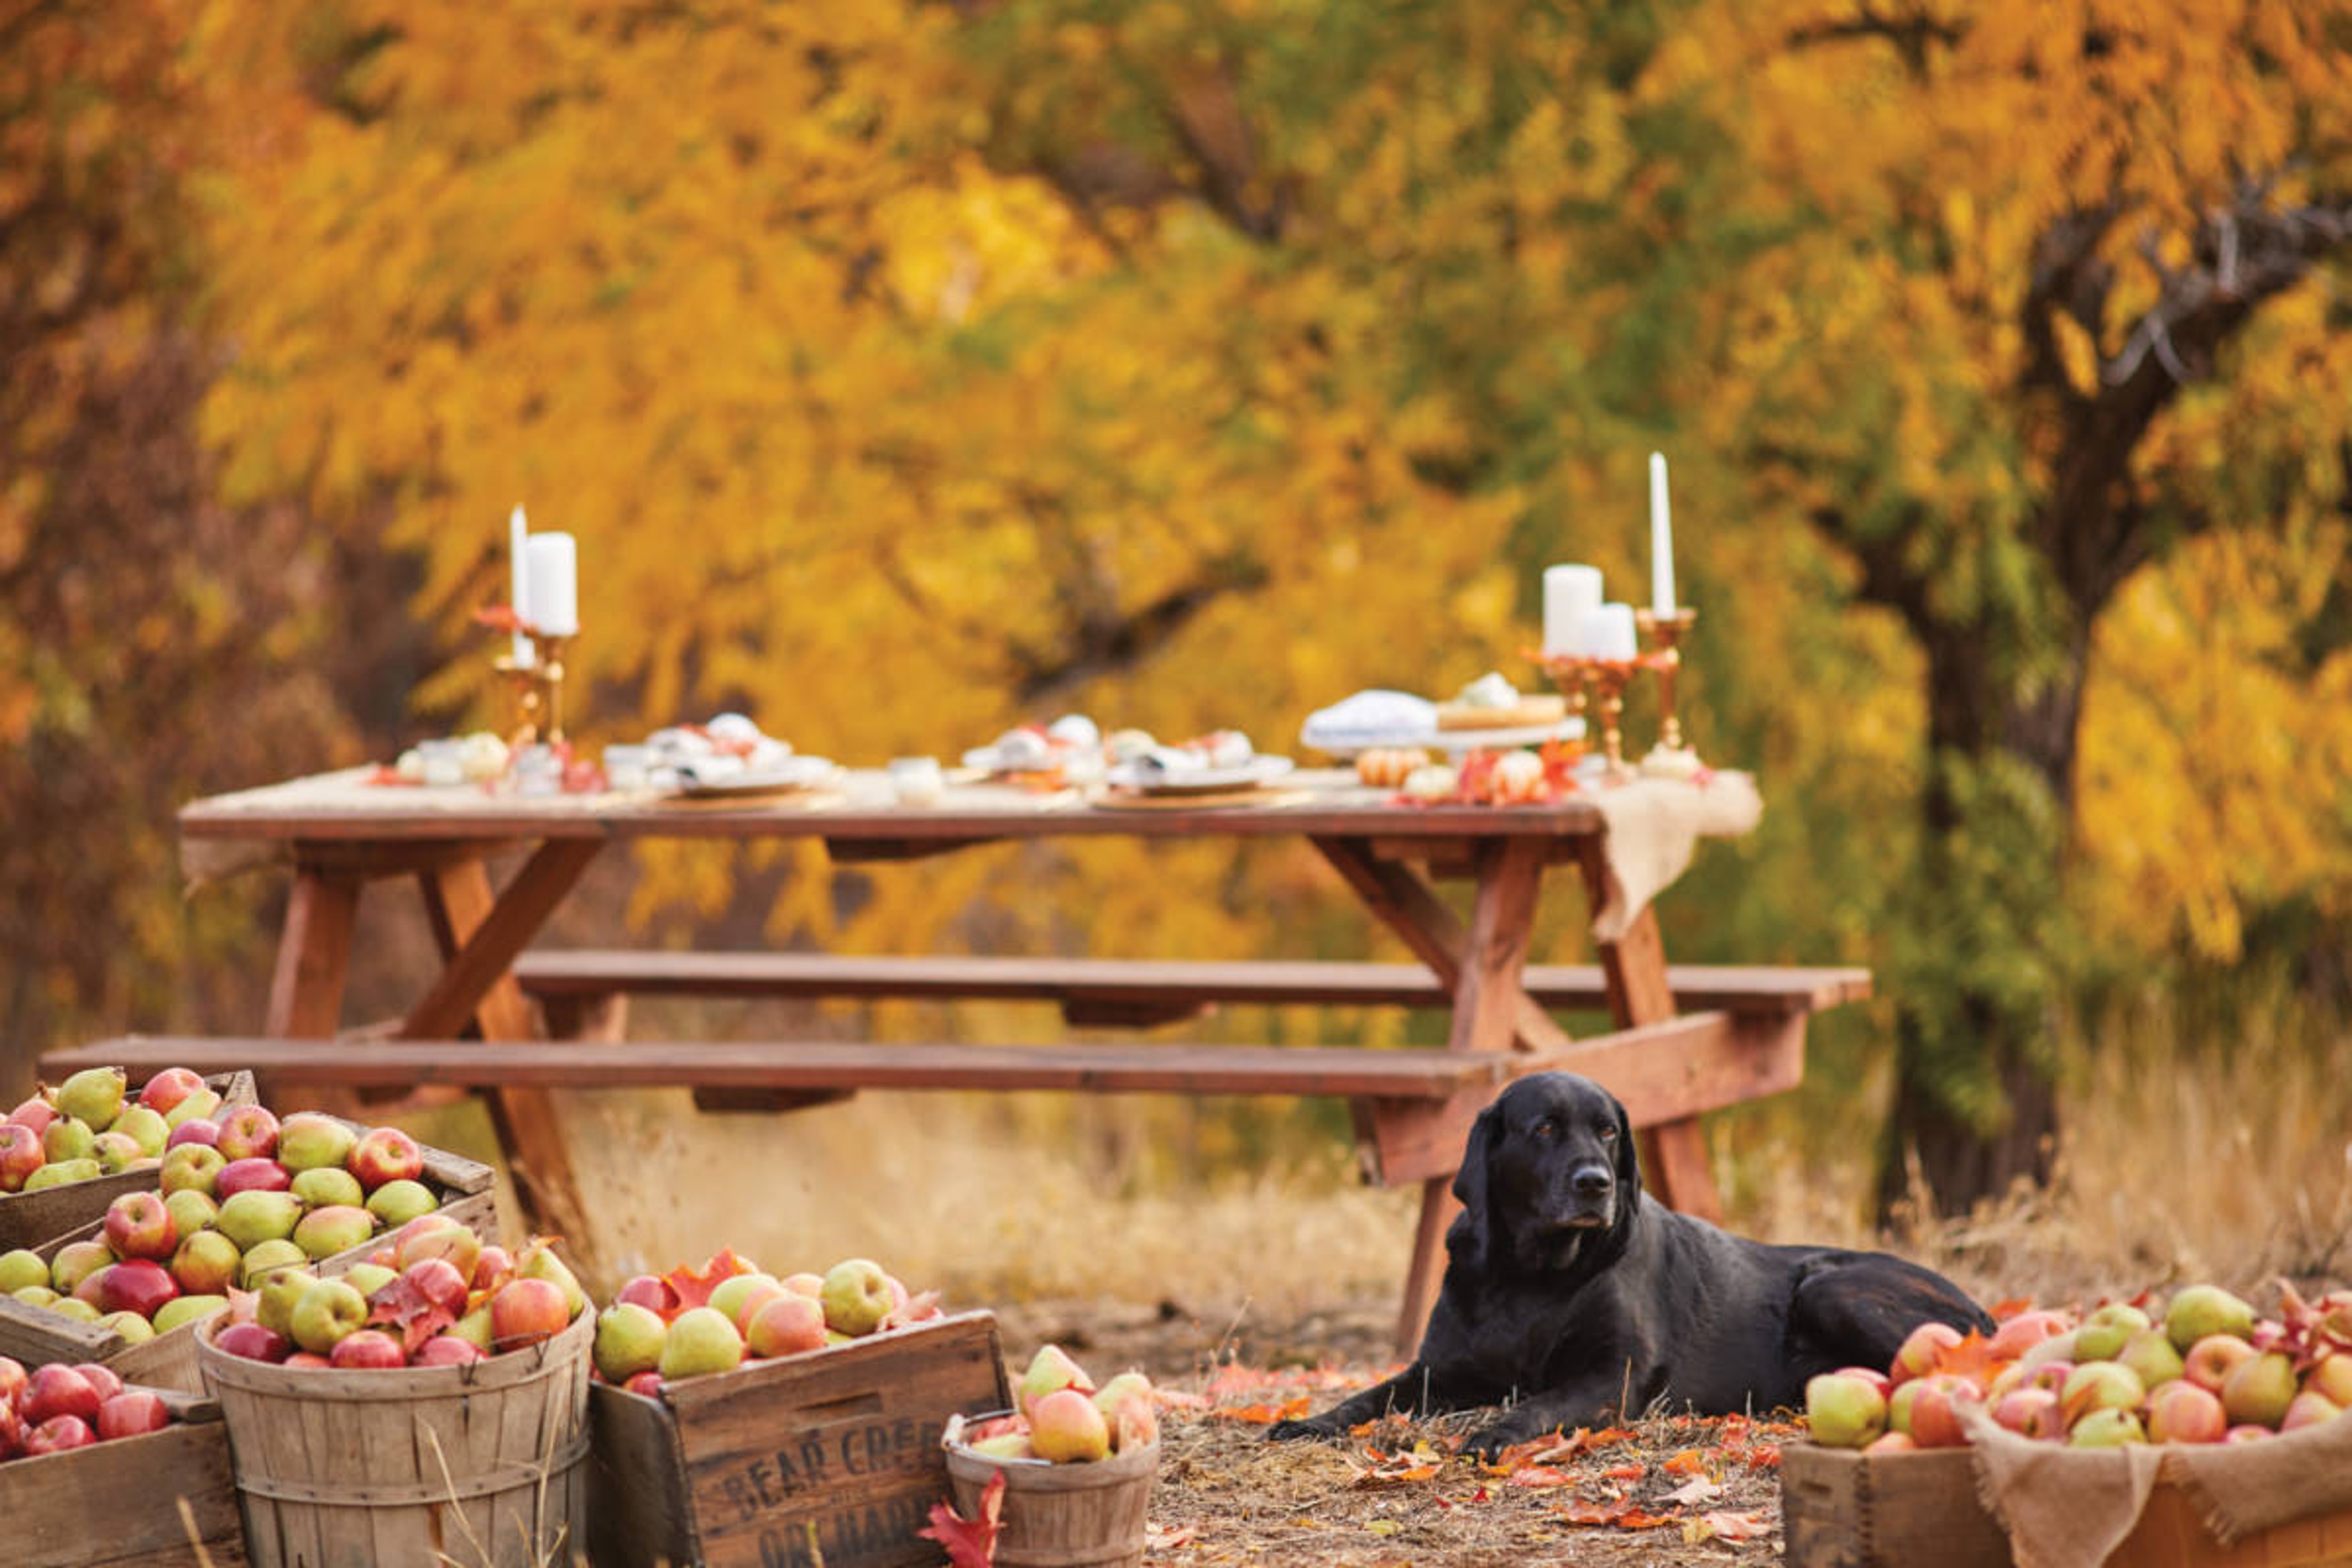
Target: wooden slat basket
37,1336
476,1465
28,1219
117,1504
830,1457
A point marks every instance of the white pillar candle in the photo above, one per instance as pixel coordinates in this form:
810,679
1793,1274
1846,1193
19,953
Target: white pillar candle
554,584
1568,592
518,532
1607,632
1662,540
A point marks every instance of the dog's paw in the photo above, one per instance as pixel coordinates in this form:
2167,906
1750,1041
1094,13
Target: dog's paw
1488,1445
1296,1431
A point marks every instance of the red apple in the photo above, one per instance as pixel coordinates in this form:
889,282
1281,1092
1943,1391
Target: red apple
130,1413
312,1359
57,1389
438,1281
255,1174
2246,1434
787,1323
196,1129
12,1432
2031,1413
493,1269
445,1349
137,1285
1920,1348
438,1236
2184,1412
526,1311
206,1264
648,1292
20,1155
1890,1443
368,1348
13,1378
647,1384
1936,1410
247,1133
105,1379
169,1087
57,1435
2023,1332
2209,1360
138,1226
252,1342
35,1113
384,1154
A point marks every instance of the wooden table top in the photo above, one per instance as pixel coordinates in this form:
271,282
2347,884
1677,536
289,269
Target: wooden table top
346,807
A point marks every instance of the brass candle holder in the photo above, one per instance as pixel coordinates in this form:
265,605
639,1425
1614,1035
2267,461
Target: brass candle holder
1596,685
1670,758
538,690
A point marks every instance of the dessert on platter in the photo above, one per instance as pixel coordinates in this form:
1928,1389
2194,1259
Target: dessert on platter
728,755
1216,762
1072,749
1492,702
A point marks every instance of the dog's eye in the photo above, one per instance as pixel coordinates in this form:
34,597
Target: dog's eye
1542,1129
1609,1135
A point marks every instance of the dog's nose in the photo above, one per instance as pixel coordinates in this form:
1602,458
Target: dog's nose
1591,1181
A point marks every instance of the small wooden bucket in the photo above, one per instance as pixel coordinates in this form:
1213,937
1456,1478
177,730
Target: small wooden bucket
1063,1516
476,1466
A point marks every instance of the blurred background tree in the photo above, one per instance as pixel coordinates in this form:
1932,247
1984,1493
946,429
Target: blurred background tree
910,369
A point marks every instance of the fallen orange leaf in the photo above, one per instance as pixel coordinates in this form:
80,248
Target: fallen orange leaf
1540,1476
1689,1462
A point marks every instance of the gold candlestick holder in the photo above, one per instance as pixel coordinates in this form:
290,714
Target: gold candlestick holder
537,689
1596,685
1670,758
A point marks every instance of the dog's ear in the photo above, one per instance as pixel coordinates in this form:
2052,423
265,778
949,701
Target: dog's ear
1471,1239
1628,1163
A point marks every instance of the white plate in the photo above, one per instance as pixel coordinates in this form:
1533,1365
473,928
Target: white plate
791,774
1462,740
1200,781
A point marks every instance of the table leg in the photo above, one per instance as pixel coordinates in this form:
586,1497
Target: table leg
1674,1154
481,935
1483,967
314,955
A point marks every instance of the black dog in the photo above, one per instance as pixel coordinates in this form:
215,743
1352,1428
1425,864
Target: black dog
1574,1296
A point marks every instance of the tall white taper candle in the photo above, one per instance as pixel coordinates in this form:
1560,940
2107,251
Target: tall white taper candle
1661,540
518,534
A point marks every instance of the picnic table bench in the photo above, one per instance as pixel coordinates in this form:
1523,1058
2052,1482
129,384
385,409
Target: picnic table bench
1743,1038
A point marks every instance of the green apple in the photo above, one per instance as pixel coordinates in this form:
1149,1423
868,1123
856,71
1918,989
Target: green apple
143,1126
182,1309
311,1140
192,1167
701,1340
325,1312
191,1210
22,1268
731,1292
857,1296
2107,1330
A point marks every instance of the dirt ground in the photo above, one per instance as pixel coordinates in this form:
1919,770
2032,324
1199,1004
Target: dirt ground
1669,1490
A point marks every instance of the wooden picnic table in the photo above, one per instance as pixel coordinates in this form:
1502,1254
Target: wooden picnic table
338,833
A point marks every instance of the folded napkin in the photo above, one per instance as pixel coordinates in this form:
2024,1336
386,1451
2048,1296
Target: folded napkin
1368,719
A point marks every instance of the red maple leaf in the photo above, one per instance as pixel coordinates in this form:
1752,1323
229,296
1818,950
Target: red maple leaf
693,1287
417,1315
969,1542
1972,1358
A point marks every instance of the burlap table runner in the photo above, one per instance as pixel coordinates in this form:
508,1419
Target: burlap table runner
2070,1508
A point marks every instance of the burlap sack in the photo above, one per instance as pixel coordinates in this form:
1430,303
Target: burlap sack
2070,1508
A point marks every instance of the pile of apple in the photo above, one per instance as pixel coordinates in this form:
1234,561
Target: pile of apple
60,1408
1065,1419
240,1197
2198,1369
435,1295
88,1126
693,1323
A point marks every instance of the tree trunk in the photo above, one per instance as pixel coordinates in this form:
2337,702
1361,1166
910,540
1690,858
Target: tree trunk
1975,1098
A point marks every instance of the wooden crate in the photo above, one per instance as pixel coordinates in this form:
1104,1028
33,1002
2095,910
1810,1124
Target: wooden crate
35,1335
116,1505
480,1465
833,1455
28,1219
1844,1510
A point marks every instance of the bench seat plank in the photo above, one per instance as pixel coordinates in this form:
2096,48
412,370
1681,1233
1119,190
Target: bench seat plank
1419,1074
1142,983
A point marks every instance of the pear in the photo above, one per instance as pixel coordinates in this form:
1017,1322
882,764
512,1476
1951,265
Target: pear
2202,1310
701,1341
93,1097
2150,1354
274,1310
64,1172
1050,1371
629,1341
2258,1390
538,1262
253,1216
